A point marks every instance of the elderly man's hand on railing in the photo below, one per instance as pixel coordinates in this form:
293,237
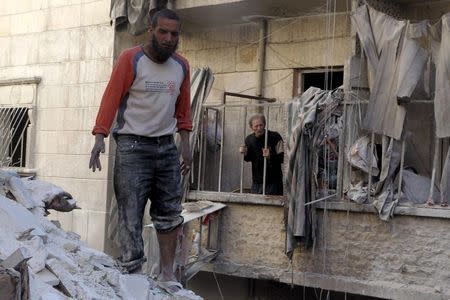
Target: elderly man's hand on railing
243,149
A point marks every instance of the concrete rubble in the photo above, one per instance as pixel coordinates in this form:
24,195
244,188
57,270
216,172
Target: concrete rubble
39,260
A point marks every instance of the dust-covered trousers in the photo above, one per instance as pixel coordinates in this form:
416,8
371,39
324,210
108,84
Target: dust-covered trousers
145,167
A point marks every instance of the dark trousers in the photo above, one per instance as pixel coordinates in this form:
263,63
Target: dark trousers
271,188
145,168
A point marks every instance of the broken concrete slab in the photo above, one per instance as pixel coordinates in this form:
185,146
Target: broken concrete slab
112,277
34,244
16,258
48,277
134,286
71,246
20,192
40,290
93,255
63,258
37,262
86,292
16,219
67,285
4,179
9,282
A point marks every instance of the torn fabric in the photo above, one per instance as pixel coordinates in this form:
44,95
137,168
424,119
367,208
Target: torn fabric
385,189
399,53
382,43
359,156
416,188
442,60
132,15
307,116
413,59
445,180
357,193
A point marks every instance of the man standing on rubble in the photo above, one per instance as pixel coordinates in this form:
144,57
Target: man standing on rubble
255,151
149,89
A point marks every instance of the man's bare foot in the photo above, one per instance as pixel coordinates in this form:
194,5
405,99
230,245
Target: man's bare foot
444,203
171,286
430,202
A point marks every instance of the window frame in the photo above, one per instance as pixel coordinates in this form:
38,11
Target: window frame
28,168
298,84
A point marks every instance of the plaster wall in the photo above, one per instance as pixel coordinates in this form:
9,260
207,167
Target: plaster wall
69,44
354,252
232,52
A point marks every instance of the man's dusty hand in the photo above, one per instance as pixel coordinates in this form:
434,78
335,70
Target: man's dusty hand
266,152
186,162
99,147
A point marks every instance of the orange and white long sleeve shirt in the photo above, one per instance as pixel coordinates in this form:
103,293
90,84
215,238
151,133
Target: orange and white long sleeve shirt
150,99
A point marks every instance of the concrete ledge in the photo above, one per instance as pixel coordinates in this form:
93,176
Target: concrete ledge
419,211
199,3
382,289
20,81
255,199
236,198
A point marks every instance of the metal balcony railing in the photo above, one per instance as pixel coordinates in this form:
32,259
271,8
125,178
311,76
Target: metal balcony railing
224,128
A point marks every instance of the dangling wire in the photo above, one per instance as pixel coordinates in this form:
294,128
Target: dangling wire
218,286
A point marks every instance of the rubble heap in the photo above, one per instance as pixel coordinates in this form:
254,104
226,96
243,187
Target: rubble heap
39,260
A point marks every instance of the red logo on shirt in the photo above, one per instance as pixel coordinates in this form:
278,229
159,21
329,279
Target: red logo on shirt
171,87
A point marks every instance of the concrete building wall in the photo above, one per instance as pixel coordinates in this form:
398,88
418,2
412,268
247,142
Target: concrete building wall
232,52
354,252
69,44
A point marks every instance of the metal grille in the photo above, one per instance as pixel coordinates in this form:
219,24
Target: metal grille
220,167
14,122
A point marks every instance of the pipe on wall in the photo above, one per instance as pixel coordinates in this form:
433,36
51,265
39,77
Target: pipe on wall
261,58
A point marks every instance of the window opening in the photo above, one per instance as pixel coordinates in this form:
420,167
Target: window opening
14,122
318,77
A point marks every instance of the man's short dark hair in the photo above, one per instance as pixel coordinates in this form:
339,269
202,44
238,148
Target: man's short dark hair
163,13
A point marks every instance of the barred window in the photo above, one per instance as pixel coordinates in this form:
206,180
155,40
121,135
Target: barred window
14,123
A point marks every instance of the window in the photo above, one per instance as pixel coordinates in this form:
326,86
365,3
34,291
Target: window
322,78
17,103
14,122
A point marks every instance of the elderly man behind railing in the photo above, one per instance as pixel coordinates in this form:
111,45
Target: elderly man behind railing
257,149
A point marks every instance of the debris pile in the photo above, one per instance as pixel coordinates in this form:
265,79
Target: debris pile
39,260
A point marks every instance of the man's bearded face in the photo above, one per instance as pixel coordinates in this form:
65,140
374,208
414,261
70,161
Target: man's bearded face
165,49
165,38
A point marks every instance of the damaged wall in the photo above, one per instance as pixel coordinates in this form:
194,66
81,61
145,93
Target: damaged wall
69,45
292,43
354,252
